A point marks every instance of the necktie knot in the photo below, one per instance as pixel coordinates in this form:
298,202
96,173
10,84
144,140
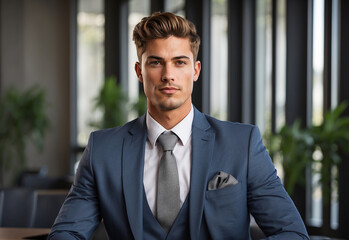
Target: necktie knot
168,141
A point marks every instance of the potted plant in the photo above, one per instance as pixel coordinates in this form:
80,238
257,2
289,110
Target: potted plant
331,139
22,119
115,106
296,146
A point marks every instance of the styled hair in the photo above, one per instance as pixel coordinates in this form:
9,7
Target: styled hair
164,25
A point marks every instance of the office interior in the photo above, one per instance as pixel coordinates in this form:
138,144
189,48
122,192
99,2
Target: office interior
265,62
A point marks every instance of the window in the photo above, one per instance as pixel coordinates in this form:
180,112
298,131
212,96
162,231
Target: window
90,63
334,102
317,106
175,6
263,63
280,64
316,214
219,59
138,10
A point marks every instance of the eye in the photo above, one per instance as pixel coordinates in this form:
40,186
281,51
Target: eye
154,63
180,63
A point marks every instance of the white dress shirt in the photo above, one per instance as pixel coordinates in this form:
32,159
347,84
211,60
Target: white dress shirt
153,153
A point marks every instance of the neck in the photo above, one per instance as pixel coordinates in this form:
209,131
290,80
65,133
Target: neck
169,118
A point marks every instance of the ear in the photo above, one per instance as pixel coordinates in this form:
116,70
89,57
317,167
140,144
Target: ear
138,69
197,69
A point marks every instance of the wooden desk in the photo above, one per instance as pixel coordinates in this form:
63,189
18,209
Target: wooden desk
20,233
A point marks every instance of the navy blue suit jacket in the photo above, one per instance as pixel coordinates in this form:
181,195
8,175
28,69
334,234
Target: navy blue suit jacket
109,185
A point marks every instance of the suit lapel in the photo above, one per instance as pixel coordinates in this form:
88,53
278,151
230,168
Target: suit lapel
133,164
202,152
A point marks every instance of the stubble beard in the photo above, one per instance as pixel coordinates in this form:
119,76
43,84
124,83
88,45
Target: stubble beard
169,106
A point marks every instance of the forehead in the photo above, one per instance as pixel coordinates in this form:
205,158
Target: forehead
168,47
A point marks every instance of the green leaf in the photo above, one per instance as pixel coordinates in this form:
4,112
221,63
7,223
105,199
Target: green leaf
115,106
23,119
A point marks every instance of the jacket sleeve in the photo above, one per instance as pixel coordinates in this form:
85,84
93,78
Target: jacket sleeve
268,201
79,215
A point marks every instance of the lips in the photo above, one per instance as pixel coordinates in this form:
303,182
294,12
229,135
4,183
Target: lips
168,90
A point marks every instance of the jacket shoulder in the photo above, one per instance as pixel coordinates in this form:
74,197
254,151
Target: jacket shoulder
217,124
118,131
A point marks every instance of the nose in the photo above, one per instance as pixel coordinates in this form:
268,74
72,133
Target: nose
167,73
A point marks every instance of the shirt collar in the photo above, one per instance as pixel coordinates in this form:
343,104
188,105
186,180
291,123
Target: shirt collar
182,129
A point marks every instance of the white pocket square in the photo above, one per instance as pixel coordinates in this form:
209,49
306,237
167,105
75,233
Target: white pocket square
222,180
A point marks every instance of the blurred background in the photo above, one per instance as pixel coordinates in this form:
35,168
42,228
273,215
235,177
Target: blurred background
67,68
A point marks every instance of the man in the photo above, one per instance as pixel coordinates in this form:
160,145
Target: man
205,187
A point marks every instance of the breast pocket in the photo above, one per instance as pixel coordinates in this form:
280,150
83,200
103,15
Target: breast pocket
224,199
226,212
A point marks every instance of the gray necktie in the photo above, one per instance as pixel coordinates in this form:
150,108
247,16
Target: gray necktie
168,202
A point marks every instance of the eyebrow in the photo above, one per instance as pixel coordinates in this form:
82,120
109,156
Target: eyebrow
174,58
180,57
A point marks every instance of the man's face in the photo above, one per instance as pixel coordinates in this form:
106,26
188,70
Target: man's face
168,71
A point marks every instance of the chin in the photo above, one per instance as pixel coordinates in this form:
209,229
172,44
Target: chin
170,106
